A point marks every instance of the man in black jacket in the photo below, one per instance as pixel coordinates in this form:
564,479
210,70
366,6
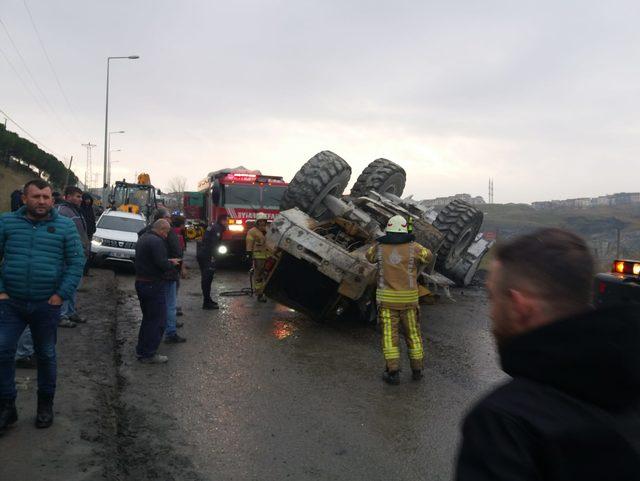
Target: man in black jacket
571,409
206,259
152,263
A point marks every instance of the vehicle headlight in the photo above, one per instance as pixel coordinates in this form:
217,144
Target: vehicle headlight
96,241
222,250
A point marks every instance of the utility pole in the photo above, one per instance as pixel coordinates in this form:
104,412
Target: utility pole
66,180
88,174
490,190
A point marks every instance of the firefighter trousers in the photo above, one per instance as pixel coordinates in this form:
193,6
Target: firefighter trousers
258,275
390,321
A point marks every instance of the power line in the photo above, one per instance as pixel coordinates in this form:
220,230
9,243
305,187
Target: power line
24,84
46,54
35,82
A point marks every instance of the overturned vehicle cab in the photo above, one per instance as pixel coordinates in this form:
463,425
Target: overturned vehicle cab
320,238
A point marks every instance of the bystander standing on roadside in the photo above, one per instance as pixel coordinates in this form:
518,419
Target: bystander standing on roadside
171,277
16,200
206,260
177,225
89,216
70,208
571,410
151,264
42,261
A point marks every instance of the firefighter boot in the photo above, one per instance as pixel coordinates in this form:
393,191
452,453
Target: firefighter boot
417,374
8,413
391,377
44,415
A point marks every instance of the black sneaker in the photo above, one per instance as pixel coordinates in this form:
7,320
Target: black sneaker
392,377
8,413
77,319
417,374
66,322
44,415
28,362
175,339
210,305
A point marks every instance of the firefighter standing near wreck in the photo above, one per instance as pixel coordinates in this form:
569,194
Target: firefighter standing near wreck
399,258
257,248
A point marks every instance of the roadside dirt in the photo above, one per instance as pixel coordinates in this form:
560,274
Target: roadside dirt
99,432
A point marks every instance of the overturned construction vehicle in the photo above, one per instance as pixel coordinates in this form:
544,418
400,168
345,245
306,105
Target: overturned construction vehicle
320,237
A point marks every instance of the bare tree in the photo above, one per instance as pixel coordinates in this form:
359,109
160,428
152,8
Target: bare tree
177,184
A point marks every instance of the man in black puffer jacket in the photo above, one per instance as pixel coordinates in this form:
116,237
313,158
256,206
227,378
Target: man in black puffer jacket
572,409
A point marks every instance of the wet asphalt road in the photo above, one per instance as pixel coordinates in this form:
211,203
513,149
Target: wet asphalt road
260,392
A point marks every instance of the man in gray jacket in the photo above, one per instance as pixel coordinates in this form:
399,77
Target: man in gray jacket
70,208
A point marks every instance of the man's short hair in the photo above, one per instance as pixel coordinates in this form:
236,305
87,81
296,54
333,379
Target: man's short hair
161,224
160,213
555,263
37,183
71,190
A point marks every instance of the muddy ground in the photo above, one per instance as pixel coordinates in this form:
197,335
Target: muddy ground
257,392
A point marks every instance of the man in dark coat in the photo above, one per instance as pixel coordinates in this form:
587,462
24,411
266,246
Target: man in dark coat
206,259
16,200
86,209
152,263
571,411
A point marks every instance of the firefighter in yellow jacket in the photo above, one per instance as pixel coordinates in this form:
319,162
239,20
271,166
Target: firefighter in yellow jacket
257,247
399,258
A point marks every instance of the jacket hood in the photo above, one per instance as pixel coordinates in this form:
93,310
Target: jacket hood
396,238
22,212
594,357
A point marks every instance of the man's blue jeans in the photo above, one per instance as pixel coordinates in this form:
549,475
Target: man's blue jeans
69,306
153,302
25,345
172,303
43,319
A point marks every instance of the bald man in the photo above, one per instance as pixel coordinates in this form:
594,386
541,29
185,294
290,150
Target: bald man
152,263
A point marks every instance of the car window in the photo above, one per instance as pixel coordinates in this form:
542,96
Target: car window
125,224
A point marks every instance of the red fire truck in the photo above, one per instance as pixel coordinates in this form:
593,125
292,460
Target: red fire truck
239,194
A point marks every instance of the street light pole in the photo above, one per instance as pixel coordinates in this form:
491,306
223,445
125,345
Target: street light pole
109,155
105,184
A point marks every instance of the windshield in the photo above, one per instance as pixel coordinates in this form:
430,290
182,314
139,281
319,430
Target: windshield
271,196
242,196
125,224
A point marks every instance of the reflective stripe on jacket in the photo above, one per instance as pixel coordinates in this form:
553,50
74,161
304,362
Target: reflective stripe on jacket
398,268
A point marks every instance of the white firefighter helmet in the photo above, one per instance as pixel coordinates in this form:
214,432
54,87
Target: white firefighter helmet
261,216
397,224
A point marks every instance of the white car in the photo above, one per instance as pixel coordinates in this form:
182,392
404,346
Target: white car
116,236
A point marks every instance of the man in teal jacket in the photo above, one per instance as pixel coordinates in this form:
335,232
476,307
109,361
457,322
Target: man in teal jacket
41,266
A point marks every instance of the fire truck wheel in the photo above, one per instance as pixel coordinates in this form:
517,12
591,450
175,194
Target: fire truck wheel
460,223
324,174
381,176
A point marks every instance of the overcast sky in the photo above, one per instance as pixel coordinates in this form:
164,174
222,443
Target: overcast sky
542,96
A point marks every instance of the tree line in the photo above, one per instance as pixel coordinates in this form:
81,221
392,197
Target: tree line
43,163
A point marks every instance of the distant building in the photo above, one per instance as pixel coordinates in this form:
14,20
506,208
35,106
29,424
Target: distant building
621,198
445,200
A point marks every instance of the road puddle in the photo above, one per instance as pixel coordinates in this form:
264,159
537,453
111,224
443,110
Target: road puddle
283,329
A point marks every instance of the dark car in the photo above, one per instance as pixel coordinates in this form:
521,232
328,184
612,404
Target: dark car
621,285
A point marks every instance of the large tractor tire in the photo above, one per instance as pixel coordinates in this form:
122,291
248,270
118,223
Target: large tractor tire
381,176
324,174
460,223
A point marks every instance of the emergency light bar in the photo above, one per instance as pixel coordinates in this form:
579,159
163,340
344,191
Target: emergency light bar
621,266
